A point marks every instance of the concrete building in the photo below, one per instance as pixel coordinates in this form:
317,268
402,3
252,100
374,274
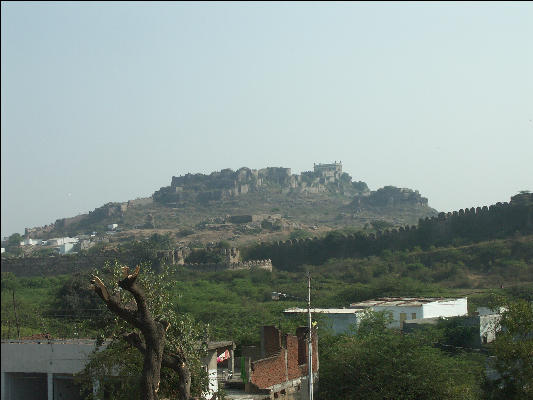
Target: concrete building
65,248
488,321
60,241
31,242
211,364
279,370
339,320
112,227
42,369
409,308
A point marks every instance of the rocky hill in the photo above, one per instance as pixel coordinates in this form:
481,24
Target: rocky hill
243,204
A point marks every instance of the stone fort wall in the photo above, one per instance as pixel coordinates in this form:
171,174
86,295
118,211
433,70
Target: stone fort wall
68,264
466,225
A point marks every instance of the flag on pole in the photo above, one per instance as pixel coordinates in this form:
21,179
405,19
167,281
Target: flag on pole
223,357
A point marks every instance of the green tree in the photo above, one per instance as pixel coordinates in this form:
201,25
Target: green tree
13,244
300,234
14,239
205,256
150,342
379,363
513,349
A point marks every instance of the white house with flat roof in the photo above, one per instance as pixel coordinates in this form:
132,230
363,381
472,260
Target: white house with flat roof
43,369
408,308
60,241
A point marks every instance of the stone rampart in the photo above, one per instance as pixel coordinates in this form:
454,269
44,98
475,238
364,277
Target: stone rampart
468,225
242,265
68,264
59,265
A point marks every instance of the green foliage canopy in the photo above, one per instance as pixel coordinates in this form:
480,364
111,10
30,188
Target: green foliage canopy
380,363
117,359
513,349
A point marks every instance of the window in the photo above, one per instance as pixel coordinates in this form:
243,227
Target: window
413,315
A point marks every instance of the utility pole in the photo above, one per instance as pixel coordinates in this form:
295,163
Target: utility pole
310,339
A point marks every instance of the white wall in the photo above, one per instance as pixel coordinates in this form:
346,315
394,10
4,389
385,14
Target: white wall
397,310
60,241
488,326
445,308
66,248
54,357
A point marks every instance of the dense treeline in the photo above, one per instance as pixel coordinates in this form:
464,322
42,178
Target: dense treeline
457,228
374,364
60,304
380,363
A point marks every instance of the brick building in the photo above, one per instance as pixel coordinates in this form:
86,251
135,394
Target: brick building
282,371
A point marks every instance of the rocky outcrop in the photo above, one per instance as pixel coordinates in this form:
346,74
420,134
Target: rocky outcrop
227,183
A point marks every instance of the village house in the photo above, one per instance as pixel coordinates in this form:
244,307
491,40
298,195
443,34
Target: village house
277,370
408,308
43,368
401,309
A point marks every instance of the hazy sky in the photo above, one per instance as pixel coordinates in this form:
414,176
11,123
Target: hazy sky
105,102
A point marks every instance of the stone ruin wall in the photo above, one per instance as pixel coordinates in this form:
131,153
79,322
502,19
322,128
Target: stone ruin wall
252,265
231,262
436,230
246,180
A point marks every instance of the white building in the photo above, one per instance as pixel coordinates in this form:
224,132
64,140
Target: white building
65,248
340,320
43,369
408,308
489,323
31,242
60,241
112,227
3,250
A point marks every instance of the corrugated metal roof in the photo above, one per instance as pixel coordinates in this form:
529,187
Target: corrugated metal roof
399,302
323,310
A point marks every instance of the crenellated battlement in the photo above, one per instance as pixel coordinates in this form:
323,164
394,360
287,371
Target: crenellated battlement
251,265
466,225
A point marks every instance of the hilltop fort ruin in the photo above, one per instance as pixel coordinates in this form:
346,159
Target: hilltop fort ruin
228,183
266,188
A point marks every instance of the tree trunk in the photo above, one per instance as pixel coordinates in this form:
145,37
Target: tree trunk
153,357
153,332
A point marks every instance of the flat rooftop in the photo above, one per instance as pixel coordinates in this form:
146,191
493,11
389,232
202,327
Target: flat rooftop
324,310
399,302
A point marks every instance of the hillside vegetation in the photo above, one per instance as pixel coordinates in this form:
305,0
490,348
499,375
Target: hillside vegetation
60,305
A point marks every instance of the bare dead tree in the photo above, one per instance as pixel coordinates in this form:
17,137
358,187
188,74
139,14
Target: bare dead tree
152,342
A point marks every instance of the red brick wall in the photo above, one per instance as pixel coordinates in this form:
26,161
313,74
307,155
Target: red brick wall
269,371
284,365
292,357
270,341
